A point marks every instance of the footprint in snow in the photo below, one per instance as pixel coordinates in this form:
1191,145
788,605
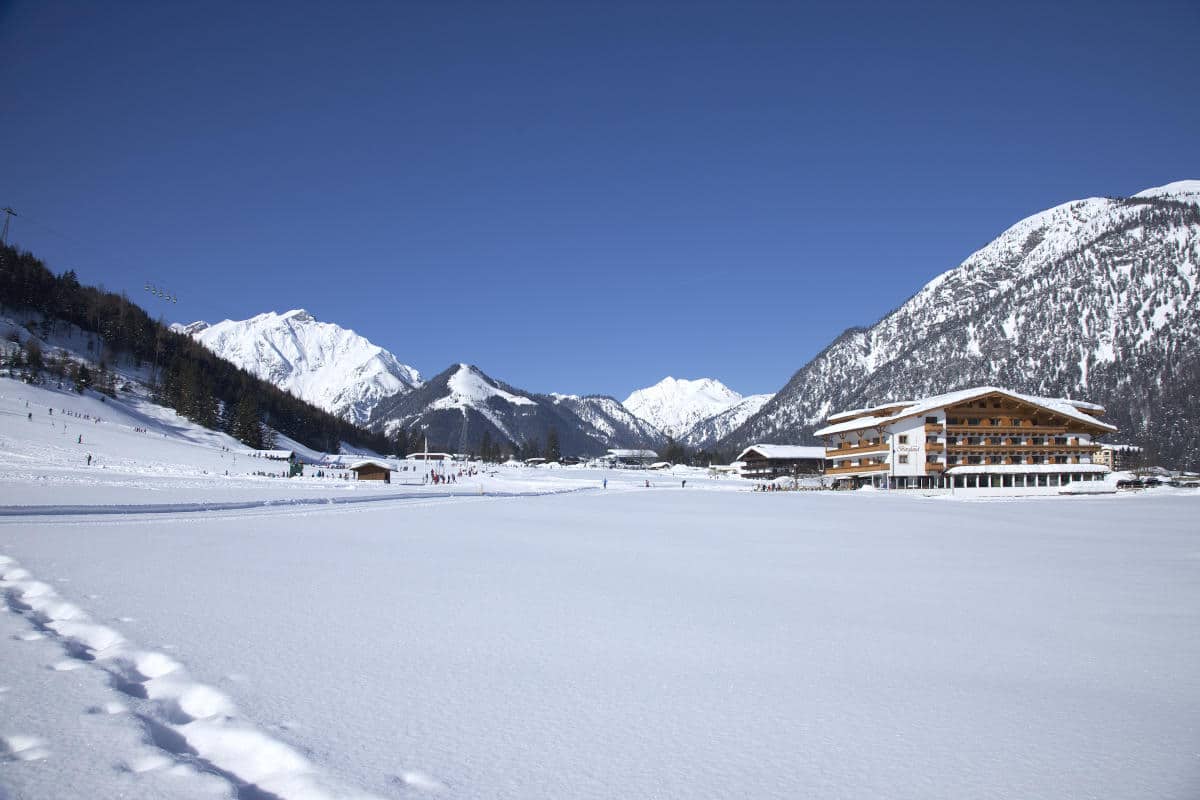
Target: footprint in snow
23,748
29,636
67,665
412,779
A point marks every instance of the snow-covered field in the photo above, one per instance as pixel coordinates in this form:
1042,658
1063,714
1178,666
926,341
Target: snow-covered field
633,642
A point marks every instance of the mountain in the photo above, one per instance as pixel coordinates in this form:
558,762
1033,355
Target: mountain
611,422
327,365
1094,299
674,406
458,407
711,430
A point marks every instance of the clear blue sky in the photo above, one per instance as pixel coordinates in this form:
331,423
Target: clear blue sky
578,197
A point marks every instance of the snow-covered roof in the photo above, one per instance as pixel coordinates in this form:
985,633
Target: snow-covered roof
858,412
783,451
1017,469
1130,447
370,463
1062,406
621,453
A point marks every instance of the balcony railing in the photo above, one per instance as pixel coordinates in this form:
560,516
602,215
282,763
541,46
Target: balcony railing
846,449
861,468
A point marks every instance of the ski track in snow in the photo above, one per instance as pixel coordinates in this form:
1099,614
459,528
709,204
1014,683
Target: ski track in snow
241,505
188,721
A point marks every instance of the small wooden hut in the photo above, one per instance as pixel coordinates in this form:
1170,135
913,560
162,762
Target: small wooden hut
371,471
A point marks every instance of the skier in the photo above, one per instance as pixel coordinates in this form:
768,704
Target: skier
89,461
606,483
684,484
80,440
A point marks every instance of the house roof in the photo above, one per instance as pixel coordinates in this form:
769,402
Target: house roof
620,453
369,463
1065,407
783,451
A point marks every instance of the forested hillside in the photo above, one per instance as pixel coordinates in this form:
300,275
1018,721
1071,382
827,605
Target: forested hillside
185,375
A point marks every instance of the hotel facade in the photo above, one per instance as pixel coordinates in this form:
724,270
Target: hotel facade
983,438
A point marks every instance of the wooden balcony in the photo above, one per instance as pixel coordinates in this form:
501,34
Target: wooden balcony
851,470
934,447
844,449
1022,430
1030,448
933,466
932,428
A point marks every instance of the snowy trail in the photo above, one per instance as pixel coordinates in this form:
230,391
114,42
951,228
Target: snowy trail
192,724
242,505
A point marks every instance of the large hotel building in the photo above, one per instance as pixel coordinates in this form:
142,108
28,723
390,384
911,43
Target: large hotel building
980,438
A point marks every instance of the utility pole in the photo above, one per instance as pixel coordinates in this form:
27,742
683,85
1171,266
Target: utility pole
8,214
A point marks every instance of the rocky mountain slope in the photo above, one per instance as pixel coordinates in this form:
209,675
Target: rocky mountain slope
1095,299
320,362
460,406
712,430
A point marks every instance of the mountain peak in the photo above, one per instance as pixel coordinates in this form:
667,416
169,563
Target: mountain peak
329,366
673,405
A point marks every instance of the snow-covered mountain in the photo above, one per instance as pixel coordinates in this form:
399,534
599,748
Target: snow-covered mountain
611,422
711,430
461,406
1095,299
329,366
673,405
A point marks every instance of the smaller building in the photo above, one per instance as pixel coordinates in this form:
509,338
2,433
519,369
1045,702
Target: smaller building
767,461
372,471
430,457
1118,456
636,459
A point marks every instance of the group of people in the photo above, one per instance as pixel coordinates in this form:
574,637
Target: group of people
768,487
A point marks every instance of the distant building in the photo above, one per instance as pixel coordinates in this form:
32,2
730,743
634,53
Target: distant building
979,438
372,471
767,461
430,457
629,458
1118,456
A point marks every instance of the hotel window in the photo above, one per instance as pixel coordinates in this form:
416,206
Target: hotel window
931,421
994,422
953,421
995,460
1017,459
974,460
973,421
951,459
903,459
903,440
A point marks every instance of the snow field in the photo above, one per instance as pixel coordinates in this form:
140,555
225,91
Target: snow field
663,643
192,724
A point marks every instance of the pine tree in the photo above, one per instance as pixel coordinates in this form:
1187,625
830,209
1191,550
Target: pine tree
553,453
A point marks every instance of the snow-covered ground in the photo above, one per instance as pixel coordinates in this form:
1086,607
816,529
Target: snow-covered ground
673,642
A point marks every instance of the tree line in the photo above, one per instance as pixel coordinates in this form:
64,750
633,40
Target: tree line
185,375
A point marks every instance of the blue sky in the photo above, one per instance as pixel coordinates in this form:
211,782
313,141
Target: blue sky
577,197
